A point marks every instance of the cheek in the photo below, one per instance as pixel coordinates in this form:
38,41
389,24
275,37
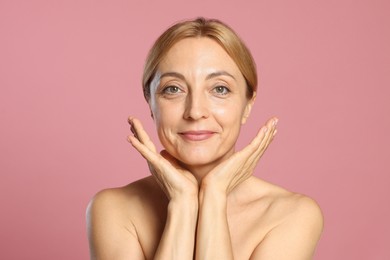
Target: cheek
160,112
165,119
162,120
229,114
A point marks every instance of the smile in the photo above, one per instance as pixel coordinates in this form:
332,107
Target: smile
197,135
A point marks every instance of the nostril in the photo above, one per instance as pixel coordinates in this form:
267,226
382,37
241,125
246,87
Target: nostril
196,107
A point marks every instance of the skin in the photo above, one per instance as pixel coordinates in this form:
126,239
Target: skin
202,200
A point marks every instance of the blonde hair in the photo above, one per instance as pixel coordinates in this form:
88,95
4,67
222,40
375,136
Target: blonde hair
201,27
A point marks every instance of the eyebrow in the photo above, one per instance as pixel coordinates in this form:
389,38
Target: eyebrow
220,73
210,76
172,74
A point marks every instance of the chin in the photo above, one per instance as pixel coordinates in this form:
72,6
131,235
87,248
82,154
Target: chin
202,158
196,161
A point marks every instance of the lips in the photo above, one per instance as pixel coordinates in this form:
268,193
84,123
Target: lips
198,135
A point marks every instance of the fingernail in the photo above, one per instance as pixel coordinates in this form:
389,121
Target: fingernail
275,122
265,129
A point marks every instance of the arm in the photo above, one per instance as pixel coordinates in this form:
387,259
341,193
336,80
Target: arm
178,239
181,189
213,237
296,237
111,235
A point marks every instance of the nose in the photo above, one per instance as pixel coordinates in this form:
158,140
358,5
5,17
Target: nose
196,107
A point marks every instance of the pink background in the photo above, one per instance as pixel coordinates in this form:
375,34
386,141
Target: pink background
70,75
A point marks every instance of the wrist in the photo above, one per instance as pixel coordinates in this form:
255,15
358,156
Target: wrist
211,186
212,195
184,204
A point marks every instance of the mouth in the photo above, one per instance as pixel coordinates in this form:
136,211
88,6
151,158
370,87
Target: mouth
199,135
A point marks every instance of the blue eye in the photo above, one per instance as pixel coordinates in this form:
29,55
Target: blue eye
221,90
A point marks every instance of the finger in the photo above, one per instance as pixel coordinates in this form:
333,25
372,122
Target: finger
237,168
148,154
155,163
271,126
261,143
265,132
130,121
240,166
154,159
139,132
239,161
137,129
268,138
255,143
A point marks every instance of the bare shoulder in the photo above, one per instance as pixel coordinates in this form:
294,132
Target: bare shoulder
295,224
295,207
112,218
281,203
123,199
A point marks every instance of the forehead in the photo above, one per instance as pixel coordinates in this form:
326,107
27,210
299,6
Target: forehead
200,54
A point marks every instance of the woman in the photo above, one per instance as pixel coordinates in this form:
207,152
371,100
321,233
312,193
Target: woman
202,200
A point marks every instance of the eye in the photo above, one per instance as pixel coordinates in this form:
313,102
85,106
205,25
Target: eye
171,90
221,90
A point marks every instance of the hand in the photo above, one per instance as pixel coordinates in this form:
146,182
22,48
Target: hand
239,167
175,181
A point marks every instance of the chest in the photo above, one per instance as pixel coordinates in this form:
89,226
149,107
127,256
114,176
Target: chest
247,227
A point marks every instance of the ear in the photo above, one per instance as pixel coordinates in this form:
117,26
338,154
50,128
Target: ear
248,108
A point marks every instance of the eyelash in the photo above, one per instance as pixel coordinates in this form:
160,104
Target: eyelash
172,90
225,89
168,90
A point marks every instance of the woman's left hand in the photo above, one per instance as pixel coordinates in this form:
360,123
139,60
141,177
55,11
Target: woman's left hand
239,167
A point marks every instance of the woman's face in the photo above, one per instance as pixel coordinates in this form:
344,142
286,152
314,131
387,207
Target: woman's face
198,101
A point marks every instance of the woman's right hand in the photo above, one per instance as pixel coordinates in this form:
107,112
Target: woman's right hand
176,182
